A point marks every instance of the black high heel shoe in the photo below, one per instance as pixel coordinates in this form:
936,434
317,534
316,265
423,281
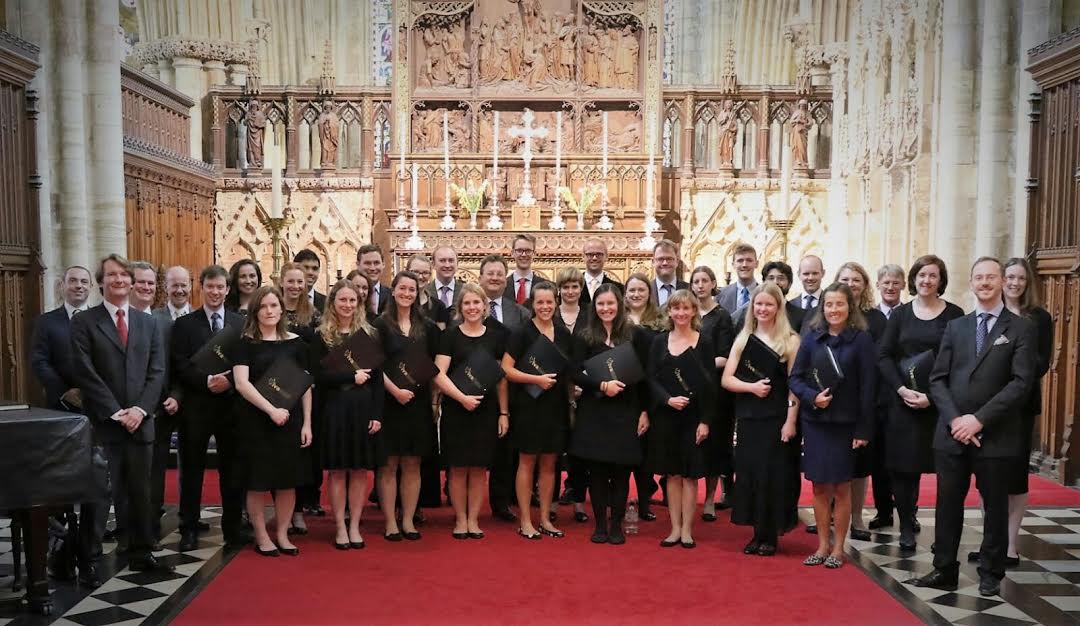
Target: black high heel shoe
557,534
272,552
342,546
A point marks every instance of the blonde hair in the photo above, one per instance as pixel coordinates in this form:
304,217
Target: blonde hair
866,298
330,327
684,296
305,311
569,275
651,316
474,289
782,335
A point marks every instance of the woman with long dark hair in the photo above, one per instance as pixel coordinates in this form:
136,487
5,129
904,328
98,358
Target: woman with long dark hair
611,415
244,278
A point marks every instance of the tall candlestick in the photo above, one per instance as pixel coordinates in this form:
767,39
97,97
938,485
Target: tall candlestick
275,183
556,222
785,186
403,140
447,222
414,242
604,147
495,222
604,223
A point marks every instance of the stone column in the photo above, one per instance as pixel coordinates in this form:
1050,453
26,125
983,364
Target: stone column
953,210
993,199
763,137
688,136
1039,21
70,191
367,140
188,79
106,129
165,71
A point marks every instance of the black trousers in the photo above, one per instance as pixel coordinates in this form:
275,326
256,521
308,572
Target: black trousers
129,480
905,486
609,485
501,492
577,477
430,482
195,433
164,425
953,481
880,478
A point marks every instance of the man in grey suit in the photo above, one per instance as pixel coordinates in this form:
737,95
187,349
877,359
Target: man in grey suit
737,295
446,287
504,314
982,377
120,368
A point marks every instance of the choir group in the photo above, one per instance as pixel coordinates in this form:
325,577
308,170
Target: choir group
510,381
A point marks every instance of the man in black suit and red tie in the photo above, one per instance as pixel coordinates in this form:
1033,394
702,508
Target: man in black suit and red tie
120,369
981,379
520,283
595,253
369,260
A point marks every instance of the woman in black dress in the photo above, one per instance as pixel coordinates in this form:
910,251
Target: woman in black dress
1022,298
765,419
716,323
350,409
538,426
274,455
245,277
858,281
913,328
611,416
408,427
470,426
572,316
643,313
835,419
680,420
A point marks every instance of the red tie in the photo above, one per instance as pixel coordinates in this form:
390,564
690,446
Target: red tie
521,297
121,327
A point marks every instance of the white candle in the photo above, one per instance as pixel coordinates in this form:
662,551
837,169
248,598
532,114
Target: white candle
403,140
649,183
558,152
785,185
495,164
415,187
275,184
446,148
604,145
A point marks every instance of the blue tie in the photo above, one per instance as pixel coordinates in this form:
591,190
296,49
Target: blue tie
981,332
215,322
744,297
493,313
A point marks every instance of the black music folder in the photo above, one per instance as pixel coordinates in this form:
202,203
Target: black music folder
542,357
284,383
359,351
915,371
412,368
758,361
684,375
825,369
478,374
216,355
619,363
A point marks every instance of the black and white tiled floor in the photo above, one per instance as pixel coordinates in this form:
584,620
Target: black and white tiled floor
127,598
1043,589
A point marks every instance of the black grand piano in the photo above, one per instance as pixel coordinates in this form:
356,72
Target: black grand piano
45,466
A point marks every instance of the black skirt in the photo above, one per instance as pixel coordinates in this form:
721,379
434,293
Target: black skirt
672,450
343,438
765,475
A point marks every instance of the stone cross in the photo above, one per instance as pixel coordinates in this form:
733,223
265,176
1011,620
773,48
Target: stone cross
527,132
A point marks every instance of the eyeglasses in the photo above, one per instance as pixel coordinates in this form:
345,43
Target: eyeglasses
594,255
523,251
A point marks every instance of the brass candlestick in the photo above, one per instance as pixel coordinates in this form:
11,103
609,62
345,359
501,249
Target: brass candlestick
276,225
783,227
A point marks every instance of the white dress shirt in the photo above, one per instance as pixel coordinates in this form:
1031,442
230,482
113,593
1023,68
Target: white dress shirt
803,304
175,313
886,309
71,310
496,303
449,287
662,294
516,278
112,309
592,283
995,314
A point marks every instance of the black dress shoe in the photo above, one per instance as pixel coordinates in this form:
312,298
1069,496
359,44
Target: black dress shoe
689,545
239,538
811,528
504,514
724,504
616,537
556,534
272,552
1012,561
189,540
766,549
860,534
296,530
599,536
989,587
974,556
708,517
316,510
394,537
937,579
880,522
476,535
89,578
916,526
294,551
357,545
664,543
752,547
411,536
156,547
646,515
149,564
581,517
458,535
341,546
907,540
202,526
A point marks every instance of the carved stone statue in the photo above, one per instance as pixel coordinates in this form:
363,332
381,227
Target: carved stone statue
456,57
591,58
256,126
329,127
626,57
606,47
800,127
565,61
728,125
535,64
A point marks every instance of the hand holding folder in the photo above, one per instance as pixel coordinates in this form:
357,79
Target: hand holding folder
757,362
684,376
543,357
359,351
478,374
284,383
619,363
411,369
825,370
216,355
915,371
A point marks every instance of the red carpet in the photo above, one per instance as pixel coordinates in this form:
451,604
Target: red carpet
1043,492
505,579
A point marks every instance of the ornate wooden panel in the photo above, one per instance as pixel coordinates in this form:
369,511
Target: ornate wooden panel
20,240
1054,237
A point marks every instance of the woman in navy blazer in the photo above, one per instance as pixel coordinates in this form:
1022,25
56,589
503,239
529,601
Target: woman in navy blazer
834,422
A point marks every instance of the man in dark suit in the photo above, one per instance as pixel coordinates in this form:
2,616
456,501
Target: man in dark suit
811,271
50,347
665,264
737,295
512,316
120,368
984,371
520,284
207,411
369,260
779,273
312,266
595,254
446,287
